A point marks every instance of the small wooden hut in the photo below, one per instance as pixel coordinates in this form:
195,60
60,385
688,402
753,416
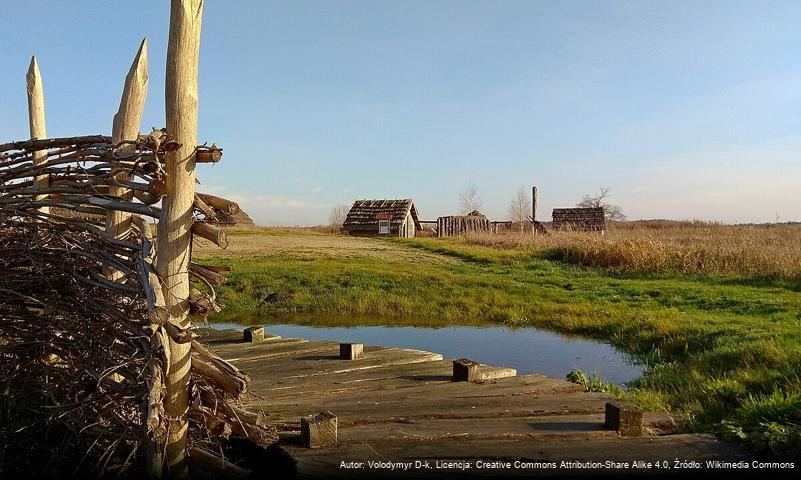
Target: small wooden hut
382,218
584,219
453,225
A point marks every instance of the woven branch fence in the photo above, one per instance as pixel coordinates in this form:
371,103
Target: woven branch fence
83,322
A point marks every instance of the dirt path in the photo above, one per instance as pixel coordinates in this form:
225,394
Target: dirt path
313,246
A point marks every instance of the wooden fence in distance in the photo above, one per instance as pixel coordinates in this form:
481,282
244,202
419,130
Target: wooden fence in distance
457,224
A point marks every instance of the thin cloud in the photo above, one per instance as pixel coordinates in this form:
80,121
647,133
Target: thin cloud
279,209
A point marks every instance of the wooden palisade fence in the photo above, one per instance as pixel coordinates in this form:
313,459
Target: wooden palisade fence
454,225
95,319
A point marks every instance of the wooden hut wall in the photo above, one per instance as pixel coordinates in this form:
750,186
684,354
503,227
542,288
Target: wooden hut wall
411,231
456,225
586,219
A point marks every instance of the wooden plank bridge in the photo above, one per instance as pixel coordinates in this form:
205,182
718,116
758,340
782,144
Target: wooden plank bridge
402,405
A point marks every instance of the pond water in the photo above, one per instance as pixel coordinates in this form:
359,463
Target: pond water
529,350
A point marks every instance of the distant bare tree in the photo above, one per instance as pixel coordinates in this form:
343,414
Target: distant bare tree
612,212
338,214
520,208
469,199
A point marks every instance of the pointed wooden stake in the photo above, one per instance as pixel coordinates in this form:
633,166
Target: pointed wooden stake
126,127
36,120
175,223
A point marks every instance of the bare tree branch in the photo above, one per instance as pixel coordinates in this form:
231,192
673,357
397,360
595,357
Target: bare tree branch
520,208
469,199
338,214
612,212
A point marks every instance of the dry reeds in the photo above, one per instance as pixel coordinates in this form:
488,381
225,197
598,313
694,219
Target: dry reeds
702,248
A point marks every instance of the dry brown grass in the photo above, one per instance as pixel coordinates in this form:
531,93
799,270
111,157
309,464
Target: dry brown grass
686,247
280,230
308,244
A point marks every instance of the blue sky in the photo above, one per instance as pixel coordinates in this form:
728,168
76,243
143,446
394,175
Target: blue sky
684,109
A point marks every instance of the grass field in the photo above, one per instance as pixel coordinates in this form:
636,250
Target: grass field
723,344
697,248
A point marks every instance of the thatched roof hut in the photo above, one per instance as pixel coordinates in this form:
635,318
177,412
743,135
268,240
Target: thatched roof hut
387,218
580,218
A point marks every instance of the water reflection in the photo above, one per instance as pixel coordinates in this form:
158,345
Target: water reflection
529,350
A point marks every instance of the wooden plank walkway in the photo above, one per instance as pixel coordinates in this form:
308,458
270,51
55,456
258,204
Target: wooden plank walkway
401,405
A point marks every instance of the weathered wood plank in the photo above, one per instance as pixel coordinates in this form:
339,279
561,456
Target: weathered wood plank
404,404
488,373
522,396
492,427
323,360
431,390
353,382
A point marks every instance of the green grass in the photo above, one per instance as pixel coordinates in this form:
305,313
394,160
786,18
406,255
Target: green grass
722,352
594,383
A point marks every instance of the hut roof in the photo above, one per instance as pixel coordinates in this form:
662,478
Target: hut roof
364,214
474,215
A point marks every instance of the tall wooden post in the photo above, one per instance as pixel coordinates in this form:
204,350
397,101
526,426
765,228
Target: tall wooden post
126,127
36,121
174,229
533,204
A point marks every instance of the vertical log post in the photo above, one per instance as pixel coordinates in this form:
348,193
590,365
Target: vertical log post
534,225
174,229
36,121
126,127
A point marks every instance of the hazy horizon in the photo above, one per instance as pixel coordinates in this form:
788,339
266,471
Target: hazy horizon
686,110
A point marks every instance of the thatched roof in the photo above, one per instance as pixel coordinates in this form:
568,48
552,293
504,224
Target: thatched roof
364,214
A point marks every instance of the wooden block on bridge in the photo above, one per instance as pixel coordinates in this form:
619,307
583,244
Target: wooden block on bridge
486,373
465,370
351,351
253,334
623,417
319,430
